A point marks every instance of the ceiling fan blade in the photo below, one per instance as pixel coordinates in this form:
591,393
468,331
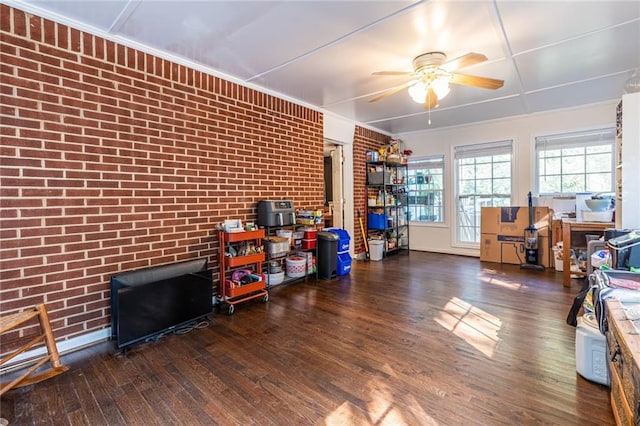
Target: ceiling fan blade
392,91
463,61
475,81
431,100
393,73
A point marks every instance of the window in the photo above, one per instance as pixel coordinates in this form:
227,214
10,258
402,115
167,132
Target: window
575,162
426,186
483,179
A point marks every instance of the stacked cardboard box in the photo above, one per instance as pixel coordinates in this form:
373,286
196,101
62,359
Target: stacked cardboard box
502,234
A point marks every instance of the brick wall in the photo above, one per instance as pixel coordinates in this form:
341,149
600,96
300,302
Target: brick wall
364,140
113,159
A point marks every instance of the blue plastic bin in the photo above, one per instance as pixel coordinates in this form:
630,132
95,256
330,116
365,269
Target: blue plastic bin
343,239
343,264
376,221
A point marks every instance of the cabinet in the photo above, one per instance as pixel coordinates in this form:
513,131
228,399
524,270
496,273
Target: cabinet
240,251
387,205
286,262
627,178
623,345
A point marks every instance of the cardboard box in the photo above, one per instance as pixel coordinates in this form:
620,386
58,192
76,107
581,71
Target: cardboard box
510,249
514,220
502,234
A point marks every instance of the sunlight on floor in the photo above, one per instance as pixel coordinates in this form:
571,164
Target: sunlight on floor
382,408
502,283
473,325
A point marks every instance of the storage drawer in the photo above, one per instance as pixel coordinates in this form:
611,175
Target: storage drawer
621,410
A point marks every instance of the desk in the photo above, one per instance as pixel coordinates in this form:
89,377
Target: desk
569,227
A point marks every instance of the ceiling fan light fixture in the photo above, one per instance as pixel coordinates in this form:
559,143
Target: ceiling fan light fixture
418,91
432,74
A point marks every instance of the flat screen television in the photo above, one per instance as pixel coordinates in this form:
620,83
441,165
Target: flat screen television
153,301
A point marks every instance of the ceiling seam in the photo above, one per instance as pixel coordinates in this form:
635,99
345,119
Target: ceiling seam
571,83
415,114
123,16
503,31
337,40
577,37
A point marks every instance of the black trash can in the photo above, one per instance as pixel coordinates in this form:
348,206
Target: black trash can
327,255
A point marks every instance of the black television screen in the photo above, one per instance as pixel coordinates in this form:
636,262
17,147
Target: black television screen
144,310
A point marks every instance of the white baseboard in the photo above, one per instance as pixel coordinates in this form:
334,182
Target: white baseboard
64,347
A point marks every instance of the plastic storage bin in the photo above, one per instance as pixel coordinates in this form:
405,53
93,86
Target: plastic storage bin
378,178
343,264
377,220
296,266
343,239
376,249
591,351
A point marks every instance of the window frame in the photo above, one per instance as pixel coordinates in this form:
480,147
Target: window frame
479,150
603,136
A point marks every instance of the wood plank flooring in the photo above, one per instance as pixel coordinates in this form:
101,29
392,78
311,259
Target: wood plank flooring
423,339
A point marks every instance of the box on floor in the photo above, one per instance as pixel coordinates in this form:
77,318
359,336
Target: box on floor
502,234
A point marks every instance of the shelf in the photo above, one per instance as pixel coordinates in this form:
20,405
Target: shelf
234,295
293,251
234,262
236,237
383,220
234,292
386,163
627,157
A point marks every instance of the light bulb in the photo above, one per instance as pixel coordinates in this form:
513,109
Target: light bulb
440,87
418,92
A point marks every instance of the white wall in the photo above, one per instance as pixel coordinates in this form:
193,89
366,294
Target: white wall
523,130
341,131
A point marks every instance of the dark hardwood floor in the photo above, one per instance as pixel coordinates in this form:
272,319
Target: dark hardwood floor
423,339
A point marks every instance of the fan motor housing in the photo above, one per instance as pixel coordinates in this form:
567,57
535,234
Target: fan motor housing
427,61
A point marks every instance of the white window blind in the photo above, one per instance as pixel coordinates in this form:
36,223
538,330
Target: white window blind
426,163
576,139
483,150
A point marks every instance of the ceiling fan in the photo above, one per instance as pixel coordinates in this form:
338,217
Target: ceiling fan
432,74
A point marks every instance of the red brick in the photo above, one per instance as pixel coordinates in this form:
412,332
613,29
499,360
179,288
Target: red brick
149,165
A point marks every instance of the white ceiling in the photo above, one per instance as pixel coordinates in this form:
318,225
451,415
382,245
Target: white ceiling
551,54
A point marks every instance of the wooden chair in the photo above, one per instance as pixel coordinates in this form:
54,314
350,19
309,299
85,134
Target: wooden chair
9,322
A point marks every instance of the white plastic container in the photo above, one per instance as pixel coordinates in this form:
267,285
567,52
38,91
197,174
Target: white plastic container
275,279
559,264
591,351
581,206
557,257
600,216
285,233
376,249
